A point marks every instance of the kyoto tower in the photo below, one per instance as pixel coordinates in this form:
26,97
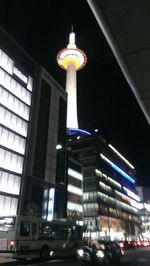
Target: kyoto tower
71,59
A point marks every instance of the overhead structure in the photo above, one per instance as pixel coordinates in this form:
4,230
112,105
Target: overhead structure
126,27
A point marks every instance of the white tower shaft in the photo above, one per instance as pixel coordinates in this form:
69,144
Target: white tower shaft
71,59
71,88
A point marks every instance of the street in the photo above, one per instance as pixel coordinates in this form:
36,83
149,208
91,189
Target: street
137,257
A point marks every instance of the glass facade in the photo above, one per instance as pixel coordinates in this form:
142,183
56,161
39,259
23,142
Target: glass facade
15,105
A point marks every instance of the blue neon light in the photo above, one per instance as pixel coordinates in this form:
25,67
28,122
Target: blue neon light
75,131
114,166
123,173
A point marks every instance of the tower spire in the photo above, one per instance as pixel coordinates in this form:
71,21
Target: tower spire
71,59
71,44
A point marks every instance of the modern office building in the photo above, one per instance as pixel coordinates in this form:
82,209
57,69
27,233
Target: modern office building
110,201
47,170
17,74
33,135
71,59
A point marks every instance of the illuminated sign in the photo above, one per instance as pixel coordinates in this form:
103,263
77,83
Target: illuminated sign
51,204
19,74
114,166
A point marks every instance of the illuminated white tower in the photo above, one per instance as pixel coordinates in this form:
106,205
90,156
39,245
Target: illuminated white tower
71,59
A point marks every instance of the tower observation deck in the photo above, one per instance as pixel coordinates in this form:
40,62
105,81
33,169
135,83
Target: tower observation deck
71,59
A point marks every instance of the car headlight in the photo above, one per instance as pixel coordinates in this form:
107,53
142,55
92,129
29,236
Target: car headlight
51,253
100,254
80,252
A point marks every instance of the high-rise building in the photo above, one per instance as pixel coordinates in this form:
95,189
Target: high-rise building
111,203
71,59
32,136
47,169
17,75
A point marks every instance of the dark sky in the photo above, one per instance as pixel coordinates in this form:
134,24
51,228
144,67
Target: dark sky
105,100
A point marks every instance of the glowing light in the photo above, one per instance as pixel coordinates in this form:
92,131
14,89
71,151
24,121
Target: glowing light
114,166
30,83
131,194
74,206
71,55
121,156
14,104
13,122
51,204
12,141
8,205
75,131
58,147
11,161
75,174
19,74
6,62
114,182
14,87
75,190
147,206
136,204
7,181
100,254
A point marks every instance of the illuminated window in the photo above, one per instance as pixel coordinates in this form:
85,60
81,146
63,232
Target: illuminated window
13,104
14,87
12,141
9,183
11,161
30,83
6,62
13,122
113,182
75,174
90,196
75,190
90,208
98,173
74,206
105,187
8,205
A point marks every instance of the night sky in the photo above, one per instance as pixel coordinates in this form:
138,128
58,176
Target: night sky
105,100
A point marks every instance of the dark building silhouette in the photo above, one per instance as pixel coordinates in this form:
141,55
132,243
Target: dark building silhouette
32,127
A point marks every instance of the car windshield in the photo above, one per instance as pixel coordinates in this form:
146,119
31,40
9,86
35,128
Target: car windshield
7,223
